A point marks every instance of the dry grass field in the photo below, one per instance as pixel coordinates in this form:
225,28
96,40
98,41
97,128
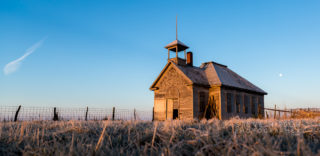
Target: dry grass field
213,137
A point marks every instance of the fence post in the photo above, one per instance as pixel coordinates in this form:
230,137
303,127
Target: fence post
113,112
55,114
275,112
86,118
134,114
17,113
152,113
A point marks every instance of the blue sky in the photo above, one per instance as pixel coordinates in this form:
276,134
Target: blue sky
107,53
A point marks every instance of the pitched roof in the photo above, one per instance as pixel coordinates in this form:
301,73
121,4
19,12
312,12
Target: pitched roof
163,71
218,74
195,74
176,43
213,74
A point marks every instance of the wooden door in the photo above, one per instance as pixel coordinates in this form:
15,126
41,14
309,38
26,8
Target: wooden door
169,111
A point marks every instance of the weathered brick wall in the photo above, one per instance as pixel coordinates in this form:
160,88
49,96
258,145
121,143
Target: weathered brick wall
173,85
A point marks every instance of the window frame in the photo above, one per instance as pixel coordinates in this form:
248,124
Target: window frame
246,99
253,105
229,102
238,103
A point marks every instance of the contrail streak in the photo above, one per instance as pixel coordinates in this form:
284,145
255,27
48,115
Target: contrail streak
13,66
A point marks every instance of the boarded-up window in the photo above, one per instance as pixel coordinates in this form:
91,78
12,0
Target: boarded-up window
202,104
253,105
229,103
246,104
238,103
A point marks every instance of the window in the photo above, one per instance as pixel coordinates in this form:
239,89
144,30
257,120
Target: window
202,104
229,103
246,104
238,103
260,112
253,105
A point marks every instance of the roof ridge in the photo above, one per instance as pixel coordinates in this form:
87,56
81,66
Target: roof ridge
215,63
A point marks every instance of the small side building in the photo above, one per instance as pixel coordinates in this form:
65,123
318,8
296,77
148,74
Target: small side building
186,92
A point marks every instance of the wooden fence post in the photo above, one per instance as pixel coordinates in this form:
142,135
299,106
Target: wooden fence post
134,114
55,114
86,118
113,112
17,113
275,112
152,113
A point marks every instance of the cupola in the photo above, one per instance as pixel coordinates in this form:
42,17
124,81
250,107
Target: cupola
177,46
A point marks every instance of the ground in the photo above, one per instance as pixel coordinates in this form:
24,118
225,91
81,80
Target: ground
213,137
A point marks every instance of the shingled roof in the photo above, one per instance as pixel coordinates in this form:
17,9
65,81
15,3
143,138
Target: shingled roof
215,74
195,74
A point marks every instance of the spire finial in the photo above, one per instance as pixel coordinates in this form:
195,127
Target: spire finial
177,27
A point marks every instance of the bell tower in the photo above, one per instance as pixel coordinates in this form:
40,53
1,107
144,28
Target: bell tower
177,46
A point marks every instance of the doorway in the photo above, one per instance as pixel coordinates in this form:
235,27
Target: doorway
172,109
211,109
175,114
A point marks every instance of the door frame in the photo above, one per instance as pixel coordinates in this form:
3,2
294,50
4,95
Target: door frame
173,99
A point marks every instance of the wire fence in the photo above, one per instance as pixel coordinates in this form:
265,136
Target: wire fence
20,113
291,113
